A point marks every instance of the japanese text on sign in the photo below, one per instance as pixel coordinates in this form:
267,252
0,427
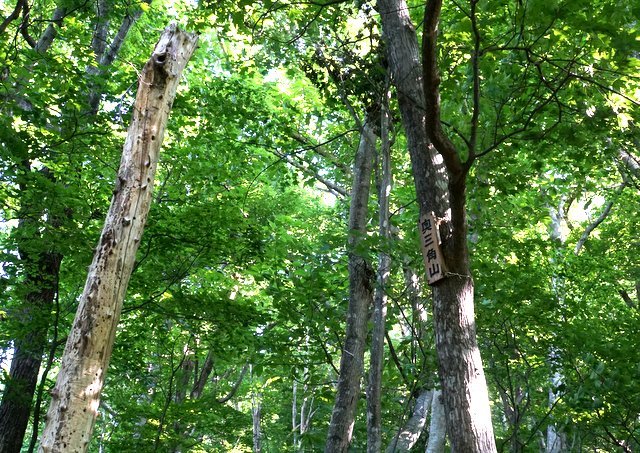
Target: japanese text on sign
433,262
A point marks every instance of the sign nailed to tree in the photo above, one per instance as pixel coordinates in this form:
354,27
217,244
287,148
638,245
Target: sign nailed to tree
430,239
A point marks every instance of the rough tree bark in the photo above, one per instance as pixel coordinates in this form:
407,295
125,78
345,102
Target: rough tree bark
440,180
76,395
41,270
41,275
360,298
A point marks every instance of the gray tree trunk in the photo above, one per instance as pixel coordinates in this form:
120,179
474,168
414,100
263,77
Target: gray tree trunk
440,182
360,298
76,395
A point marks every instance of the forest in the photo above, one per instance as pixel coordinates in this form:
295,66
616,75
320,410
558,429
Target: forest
319,225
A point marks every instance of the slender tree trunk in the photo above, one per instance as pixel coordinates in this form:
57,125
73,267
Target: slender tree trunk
17,397
256,415
360,298
440,187
556,441
76,395
374,390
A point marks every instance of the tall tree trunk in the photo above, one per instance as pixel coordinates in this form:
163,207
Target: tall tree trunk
556,441
23,375
41,275
360,298
440,187
76,395
374,389
256,415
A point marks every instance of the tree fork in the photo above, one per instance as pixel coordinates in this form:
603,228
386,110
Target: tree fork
76,395
439,177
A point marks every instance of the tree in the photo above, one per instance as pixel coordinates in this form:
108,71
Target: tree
76,397
40,261
440,179
360,299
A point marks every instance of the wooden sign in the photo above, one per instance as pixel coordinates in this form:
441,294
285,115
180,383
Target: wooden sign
430,239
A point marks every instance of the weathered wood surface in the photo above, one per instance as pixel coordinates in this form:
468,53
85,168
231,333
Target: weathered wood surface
76,395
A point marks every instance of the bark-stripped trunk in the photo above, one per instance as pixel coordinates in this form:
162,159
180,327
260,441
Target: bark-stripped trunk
374,389
440,187
360,298
76,395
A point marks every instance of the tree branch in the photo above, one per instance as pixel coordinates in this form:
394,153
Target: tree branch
603,215
11,17
473,139
431,80
235,387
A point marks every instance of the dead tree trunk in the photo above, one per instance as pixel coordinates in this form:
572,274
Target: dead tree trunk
76,395
360,298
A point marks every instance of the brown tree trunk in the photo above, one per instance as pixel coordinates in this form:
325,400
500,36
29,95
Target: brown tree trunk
440,187
360,298
41,269
76,395
17,397
28,351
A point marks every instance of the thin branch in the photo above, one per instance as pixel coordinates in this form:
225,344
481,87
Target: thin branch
24,26
333,187
627,299
235,387
475,64
603,215
11,17
396,360
321,150
431,80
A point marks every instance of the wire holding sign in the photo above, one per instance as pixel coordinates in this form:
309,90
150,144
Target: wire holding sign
430,239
